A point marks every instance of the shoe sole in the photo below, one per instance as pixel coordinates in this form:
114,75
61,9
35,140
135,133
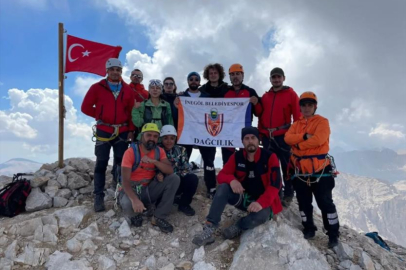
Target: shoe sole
162,230
197,243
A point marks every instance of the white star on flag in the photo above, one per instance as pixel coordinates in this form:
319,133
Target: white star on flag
86,53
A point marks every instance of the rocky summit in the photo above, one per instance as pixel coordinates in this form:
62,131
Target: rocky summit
60,230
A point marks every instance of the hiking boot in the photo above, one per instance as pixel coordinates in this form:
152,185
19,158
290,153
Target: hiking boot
187,210
136,221
309,234
332,241
232,232
99,203
210,194
205,237
150,210
163,225
176,200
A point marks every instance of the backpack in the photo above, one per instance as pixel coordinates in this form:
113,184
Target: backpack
14,195
137,158
378,240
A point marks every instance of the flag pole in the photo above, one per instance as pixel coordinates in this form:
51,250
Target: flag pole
61,95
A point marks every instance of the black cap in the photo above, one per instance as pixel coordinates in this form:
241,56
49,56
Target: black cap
249,130
277,71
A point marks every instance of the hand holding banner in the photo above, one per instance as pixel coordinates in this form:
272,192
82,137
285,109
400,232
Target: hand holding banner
213,121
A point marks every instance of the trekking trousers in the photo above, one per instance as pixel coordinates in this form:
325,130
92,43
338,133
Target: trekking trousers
225,195
102,152
226,153
208,156
323,194
156,193
187,188
278,146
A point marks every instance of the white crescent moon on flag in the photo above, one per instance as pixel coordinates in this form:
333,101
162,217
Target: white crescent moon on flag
70,49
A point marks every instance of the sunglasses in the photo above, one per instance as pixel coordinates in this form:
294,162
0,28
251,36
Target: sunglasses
194,80
169,84
136,76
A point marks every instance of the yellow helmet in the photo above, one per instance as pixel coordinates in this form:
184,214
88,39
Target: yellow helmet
150,127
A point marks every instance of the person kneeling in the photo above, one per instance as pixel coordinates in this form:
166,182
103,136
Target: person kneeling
141,187
177,155
250,180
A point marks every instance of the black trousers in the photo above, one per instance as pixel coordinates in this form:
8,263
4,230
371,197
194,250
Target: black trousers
322,191
102,152
208,156
187,188
226,153
225,195
282,151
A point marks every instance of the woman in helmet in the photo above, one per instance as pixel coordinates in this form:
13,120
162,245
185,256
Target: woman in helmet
177,155
313,169
154,110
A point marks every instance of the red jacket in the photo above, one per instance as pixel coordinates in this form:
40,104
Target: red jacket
140,93
277,110
271,177
99,103
245,92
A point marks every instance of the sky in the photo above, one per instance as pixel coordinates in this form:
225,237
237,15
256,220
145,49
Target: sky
352,54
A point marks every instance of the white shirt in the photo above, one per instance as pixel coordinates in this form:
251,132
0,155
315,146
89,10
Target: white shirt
194,94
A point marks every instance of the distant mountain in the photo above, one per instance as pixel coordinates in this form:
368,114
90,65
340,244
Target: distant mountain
368,204
18,165
384,164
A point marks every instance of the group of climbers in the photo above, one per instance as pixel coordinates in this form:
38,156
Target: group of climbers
155,171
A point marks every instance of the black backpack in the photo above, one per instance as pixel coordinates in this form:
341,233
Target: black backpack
14,195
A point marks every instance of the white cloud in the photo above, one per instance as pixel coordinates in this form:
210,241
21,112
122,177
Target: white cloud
83,83
385,131
30,128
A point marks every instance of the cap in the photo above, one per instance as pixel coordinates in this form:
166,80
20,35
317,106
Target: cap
277,71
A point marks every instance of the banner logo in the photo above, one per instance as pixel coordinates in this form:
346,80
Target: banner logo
214,122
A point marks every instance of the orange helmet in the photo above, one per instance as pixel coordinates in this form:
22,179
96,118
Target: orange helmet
308,97
235,68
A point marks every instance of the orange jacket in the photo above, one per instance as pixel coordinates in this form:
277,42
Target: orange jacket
315,147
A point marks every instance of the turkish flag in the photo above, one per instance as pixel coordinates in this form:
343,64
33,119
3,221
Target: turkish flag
88,56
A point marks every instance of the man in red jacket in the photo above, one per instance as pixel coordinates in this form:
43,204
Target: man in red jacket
240,90
250,181
279,105
110,102
136,84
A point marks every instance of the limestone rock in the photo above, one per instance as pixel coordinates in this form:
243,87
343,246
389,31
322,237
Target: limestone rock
106,263
199,254
61,261
53,182
124,230
43,172
110,213
51,190
86,190
72,217
207,266
37,200
60,202
88,233
150,262
344,251
39,181
89,247
11,251
28,227
175,243
170,266
355,267
62,180
74,245
366,262
75,181
33,256
64,193
47,234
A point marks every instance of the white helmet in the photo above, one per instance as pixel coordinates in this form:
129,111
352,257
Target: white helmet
168,130
113,62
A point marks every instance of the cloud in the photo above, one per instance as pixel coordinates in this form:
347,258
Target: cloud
385,131
83,83
30,127
341,60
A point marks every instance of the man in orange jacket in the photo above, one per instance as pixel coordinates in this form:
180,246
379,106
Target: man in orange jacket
109,102
279,105
313,170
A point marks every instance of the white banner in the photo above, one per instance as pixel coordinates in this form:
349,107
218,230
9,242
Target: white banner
213,122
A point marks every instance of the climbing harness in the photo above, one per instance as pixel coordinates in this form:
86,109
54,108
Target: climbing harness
113,135
272,138
301,176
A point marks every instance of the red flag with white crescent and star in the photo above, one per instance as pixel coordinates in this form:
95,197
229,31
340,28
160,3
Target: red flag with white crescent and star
88,56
